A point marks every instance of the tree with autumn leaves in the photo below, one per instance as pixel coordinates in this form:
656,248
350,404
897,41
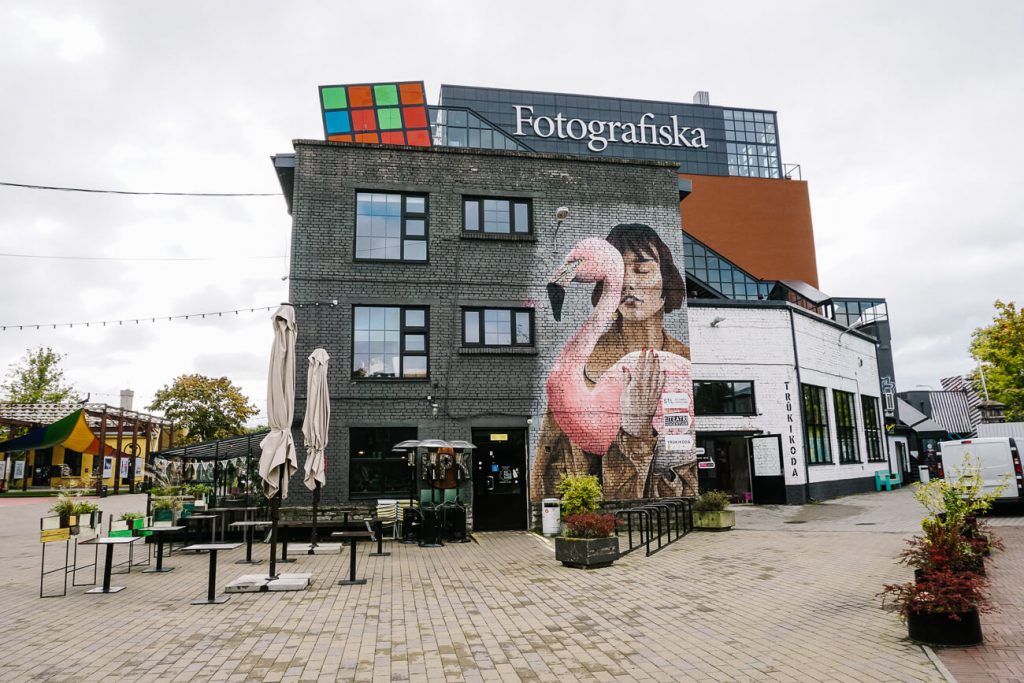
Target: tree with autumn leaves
1000,348
209,408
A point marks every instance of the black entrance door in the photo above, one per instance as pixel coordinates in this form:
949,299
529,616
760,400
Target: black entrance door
766,468
42,467
499,479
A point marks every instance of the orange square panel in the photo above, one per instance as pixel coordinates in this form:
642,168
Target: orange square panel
415,117
360,96
368,137
418,138
340,138
363,119
412,93
392,137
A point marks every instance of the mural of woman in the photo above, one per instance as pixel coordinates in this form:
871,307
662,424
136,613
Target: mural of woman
619,393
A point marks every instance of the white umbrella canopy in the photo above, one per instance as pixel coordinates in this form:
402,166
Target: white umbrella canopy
277,460
317,419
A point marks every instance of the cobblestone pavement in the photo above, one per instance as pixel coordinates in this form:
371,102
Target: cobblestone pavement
766,601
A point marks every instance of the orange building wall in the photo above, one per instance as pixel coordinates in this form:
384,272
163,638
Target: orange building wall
762,225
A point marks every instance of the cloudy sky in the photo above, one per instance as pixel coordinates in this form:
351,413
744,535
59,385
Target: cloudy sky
901,116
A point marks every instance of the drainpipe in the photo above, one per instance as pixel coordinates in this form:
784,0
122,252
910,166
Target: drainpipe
800,404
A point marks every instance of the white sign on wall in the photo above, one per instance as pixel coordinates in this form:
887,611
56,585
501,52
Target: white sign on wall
124,468
19,469
767,460
138,467
3,469
108,467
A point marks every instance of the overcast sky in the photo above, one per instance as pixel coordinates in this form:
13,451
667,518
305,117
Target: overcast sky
903,117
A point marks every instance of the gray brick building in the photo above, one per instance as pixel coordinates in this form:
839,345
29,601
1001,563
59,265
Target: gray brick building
362,282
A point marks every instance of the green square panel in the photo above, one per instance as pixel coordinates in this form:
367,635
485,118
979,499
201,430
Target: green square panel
334,98
389,119
385,94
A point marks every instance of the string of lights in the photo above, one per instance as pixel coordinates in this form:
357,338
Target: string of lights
154,319
57,188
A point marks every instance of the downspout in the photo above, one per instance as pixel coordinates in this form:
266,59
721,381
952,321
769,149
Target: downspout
800,403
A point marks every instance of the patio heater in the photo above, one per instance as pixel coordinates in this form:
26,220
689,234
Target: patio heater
455,515
411,517
438,458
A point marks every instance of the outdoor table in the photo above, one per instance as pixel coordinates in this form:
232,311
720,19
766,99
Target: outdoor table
110,543
228,510
211,597
248,528
213,524
378,524
159,532
353,537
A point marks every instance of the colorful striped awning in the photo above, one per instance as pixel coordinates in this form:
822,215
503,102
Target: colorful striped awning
70,432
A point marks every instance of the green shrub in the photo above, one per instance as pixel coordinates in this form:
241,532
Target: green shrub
129,516
711,501
166,503
580,493
65,505
84,507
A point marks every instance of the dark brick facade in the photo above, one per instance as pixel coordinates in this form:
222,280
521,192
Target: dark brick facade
484,388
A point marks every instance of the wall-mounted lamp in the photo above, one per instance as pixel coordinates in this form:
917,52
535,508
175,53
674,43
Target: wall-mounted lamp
717,321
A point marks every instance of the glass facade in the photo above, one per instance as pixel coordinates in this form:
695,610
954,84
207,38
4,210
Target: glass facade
727,146
459,127
719,274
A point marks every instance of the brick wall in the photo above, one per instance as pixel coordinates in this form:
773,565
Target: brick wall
501,388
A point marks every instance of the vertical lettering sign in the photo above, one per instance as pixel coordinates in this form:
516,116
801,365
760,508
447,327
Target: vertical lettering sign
789,436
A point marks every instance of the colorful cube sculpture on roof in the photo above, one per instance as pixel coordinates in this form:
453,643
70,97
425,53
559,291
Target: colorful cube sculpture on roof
378,113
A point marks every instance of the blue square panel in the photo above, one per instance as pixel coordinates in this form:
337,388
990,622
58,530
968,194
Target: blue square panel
338,122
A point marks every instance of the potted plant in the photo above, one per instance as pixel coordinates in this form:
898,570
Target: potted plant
64,508
589,541
87,513
164,508
709,512
942,607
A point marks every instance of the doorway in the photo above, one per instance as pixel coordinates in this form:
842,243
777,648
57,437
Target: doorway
724,466
42,466
499,479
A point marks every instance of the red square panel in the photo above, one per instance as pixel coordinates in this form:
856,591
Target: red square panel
415,117
392,137
412,93
419,138
360,96
340,138
367,137
363,119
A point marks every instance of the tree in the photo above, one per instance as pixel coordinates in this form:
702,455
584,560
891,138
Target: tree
210,408
38,378
1000,347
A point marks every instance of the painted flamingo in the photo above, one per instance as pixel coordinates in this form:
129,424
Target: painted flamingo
592,416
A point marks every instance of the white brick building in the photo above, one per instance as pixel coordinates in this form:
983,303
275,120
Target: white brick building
750,360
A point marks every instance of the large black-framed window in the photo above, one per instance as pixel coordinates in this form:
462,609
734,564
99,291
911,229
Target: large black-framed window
816,425
872,429
497,327
497,216
374,469
723,398
846,426
390,342
73,462
391,226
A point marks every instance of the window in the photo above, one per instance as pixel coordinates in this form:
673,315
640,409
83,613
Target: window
374,469
497,327
846,426
498,216
72,463
389,342
816,425
723,398
872,429
391,227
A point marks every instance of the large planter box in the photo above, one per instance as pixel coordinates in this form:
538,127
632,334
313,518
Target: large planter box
163,515
941,629
719,520
586,553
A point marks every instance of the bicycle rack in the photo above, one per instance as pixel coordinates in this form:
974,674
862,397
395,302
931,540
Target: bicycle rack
643,527
664,513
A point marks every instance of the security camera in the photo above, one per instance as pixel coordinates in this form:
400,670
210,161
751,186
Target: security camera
529,420
561,213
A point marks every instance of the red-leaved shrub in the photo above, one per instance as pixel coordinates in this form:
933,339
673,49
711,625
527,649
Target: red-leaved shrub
590,525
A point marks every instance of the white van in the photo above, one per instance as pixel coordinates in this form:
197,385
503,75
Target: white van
998,457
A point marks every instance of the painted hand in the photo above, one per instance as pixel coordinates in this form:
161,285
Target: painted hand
641,394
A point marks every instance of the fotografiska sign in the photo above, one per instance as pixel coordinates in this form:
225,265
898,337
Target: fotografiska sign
600,133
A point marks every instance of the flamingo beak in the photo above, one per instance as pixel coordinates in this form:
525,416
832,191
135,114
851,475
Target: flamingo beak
558,283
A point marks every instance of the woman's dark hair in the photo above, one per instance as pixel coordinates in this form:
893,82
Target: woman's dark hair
640,239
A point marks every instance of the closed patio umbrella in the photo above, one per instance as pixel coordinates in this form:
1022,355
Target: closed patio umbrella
277,460
314,429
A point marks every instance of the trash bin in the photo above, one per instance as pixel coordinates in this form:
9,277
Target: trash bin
551,516
923,474
104,491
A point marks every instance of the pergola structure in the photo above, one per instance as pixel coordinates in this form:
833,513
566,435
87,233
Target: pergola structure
219,452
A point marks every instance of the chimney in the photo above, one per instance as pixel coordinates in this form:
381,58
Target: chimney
701,97
127,396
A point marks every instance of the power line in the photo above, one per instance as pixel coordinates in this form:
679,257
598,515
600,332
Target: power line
56,188
138,258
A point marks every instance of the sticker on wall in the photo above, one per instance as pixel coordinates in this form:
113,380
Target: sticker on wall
377,113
